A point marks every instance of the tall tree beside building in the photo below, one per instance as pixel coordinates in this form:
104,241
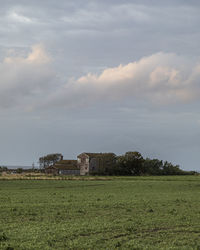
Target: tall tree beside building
49,160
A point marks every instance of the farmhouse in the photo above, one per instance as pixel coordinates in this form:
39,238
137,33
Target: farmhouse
86,164
94,163
64,167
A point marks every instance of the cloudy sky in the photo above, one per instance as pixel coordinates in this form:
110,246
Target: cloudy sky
100,76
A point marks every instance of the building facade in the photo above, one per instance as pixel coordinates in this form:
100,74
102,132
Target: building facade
95,163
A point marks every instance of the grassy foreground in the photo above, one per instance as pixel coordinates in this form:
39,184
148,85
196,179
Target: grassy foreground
104,213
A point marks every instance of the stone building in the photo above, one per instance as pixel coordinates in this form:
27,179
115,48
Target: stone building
95,163
86,164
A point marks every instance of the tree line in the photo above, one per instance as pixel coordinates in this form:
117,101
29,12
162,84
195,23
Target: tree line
133,163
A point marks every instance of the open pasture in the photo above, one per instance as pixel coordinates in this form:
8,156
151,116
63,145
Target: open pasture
101,213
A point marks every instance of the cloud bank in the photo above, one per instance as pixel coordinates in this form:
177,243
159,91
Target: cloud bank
161,78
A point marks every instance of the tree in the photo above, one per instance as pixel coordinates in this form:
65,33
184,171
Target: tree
169,169
19,170
49,160
153,166
157,167
130,163
2,168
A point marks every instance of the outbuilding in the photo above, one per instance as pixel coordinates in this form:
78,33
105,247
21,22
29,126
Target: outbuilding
64,167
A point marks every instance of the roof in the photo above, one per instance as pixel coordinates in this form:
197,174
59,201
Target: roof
66,162
97,155
66,165
70,167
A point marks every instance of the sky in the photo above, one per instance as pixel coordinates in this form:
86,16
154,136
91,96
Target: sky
100,76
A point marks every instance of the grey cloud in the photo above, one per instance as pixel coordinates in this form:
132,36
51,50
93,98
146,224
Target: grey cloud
64,18
89,35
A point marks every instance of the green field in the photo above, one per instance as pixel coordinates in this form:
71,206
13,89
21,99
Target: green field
115,213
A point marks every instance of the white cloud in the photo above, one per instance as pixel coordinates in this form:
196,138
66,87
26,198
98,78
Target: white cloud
161,78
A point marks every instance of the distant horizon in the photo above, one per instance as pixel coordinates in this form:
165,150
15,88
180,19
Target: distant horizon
26,166
110,76
18,166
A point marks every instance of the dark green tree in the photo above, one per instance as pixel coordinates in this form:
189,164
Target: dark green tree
130,164
19,170
2,168
153,166
49,160
169,169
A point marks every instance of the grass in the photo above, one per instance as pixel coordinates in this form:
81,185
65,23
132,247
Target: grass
100,213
